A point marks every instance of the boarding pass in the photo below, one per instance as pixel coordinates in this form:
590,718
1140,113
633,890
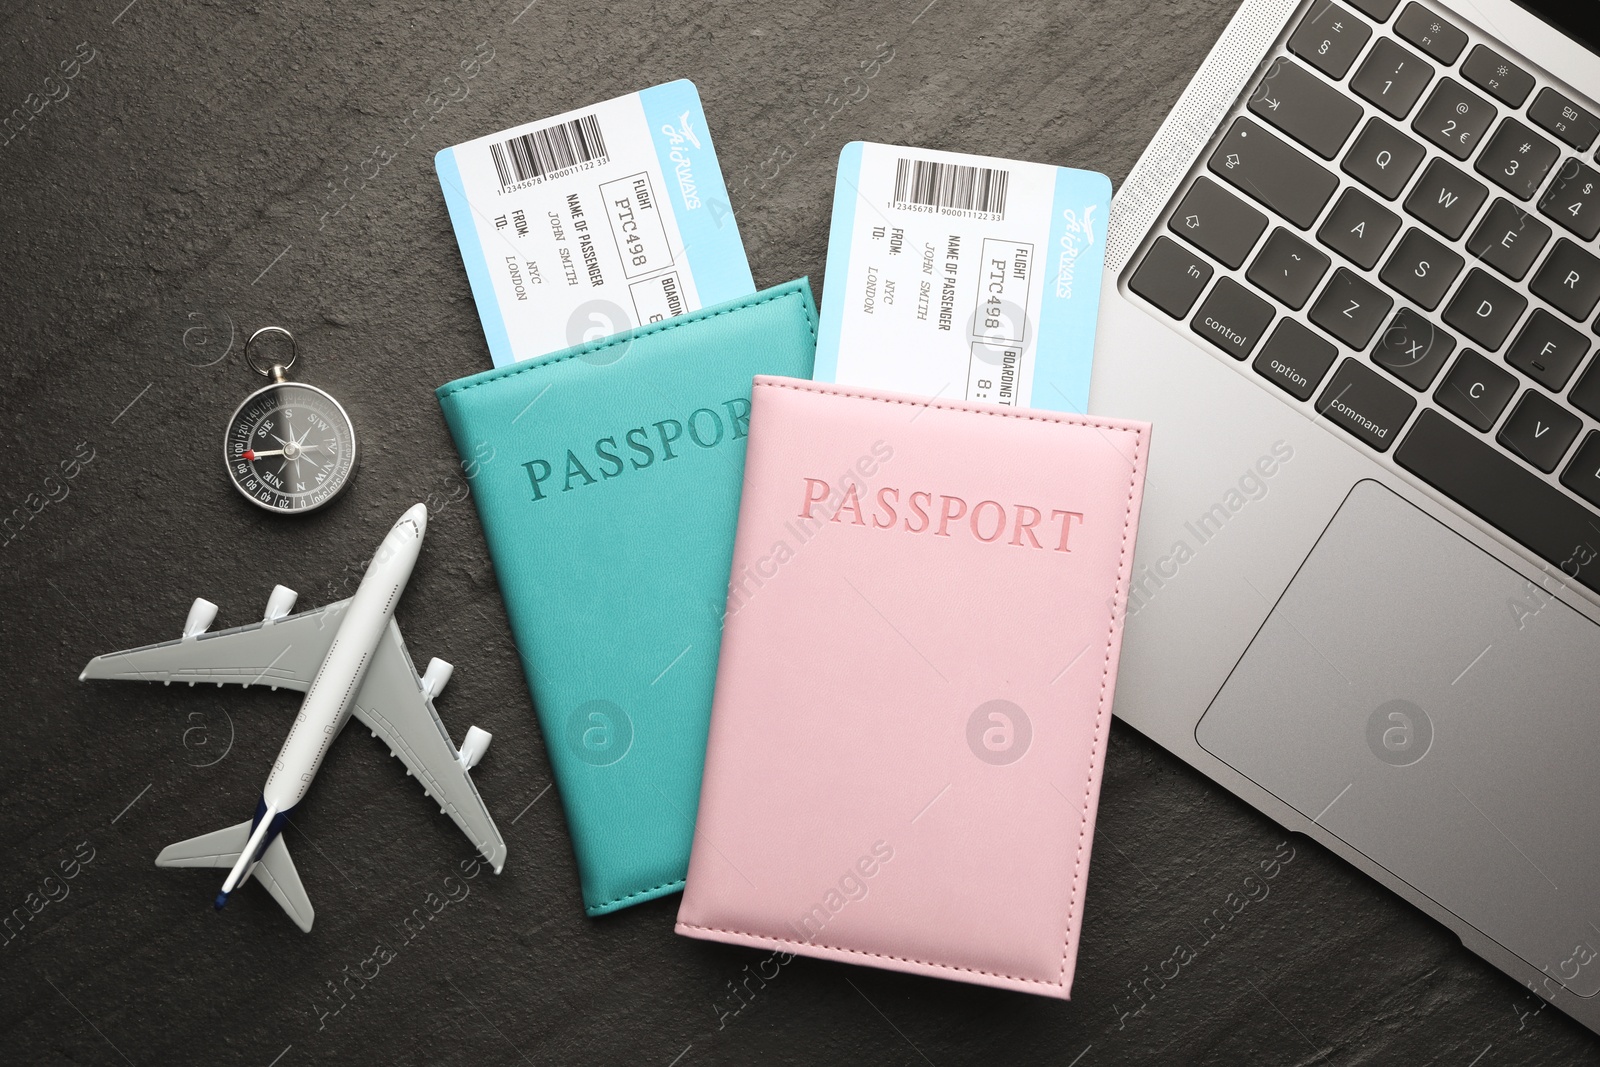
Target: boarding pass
576,227
963,276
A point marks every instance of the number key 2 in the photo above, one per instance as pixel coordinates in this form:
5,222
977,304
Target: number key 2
1454,118
1330,38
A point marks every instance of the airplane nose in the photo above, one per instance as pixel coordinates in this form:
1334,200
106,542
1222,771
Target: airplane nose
417,514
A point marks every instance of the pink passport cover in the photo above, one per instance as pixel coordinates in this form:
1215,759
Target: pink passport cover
911,710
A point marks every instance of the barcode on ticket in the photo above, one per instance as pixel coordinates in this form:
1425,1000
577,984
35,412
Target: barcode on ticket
548,151
951,186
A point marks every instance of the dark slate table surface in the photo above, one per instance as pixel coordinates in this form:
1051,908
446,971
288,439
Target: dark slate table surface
191,181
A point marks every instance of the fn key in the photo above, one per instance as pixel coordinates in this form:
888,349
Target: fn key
1171,277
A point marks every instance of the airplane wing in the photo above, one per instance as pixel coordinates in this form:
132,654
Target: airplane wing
284,654
219,848
393,706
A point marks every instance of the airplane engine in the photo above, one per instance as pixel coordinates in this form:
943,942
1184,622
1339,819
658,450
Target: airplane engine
436,677
279,604
202,613
474,746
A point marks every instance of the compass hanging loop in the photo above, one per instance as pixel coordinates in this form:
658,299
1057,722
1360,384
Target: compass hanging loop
274,370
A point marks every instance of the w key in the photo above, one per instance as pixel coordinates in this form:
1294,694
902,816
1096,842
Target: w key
1306,108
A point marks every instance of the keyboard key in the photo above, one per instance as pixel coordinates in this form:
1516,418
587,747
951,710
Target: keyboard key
1213,219
1582,475
1364,405
1295,359
1569,279
1454,118
1383,158
1430,33
1446,199
1573,199
1170,277
1305,107
1569,121
1585,396
1485,310
1413,349
1329,38
1360,228
1232,318
1497,76
1509,239
1539,430
1503,493
1376,10
1517,159
1288,268
1392,77
1421,268
1350,308
1263,166
1476,391
1547,350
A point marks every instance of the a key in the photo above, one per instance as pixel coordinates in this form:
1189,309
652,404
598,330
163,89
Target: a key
1573,199
1430,33
1508,239
1421,268
1585,396
1446,199
1232,318
1329,38
1171,277
1365,406
1454,118
1360,228
1504,494
1413,349
1264,167
1484,309
1571,122
1547,350
1350,308
1497,76
1383,158
1476,391
1213,219
1569,279
1582,475
1376,10
1539,430
1288,268
1392,77
1517,159
1305,107
1295,359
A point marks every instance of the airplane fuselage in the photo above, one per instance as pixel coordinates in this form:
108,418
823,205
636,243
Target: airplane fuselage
328,701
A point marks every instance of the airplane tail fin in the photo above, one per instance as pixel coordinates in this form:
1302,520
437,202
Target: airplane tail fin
220,848
275,870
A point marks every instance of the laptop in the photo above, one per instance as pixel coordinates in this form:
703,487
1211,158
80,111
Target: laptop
1352,283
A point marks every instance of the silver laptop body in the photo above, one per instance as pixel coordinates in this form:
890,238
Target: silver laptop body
1377,624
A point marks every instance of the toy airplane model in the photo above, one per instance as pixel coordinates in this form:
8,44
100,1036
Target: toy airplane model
348,659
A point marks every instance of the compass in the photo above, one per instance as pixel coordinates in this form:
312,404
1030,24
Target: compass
290,447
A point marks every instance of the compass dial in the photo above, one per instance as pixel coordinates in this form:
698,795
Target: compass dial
290,448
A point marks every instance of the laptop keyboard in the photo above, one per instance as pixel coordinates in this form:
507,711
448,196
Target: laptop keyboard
1398,229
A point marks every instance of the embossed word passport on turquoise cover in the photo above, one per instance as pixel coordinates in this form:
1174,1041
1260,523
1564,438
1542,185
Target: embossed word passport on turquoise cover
607,477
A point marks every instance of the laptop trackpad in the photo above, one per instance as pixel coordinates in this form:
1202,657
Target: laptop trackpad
1441,714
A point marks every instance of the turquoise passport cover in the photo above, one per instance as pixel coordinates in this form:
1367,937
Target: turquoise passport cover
607,477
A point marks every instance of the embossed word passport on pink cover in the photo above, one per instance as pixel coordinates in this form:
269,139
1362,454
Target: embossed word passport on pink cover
914,691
